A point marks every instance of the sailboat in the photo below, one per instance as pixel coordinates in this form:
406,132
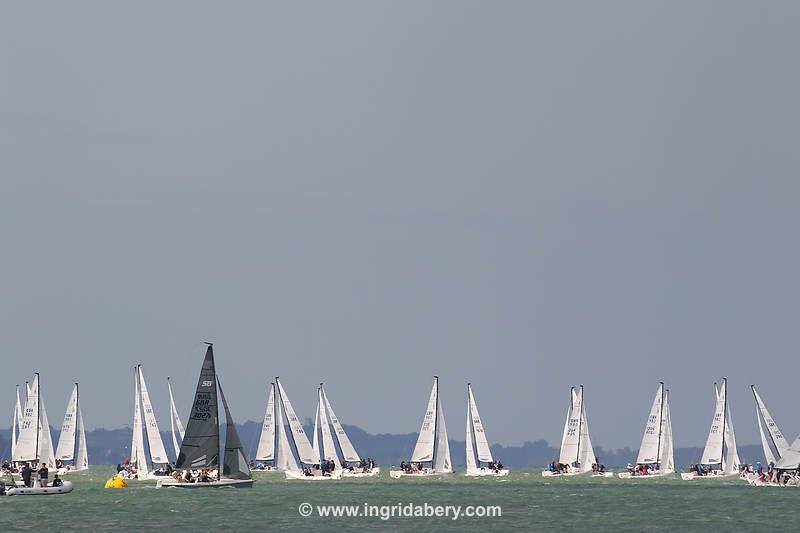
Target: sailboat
34,443
351,463
200,449
175,425
479,457
776,446
144,466
310,466
68,457
431,456
656,455
720,457
265,453
577,453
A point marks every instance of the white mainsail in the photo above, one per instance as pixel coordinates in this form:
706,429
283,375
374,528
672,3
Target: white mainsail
175,425
27,448
66,440
348,451
790,459
304,449
158,454
266,443
778,440
572,431
650,448
712,453
423,450
328,451
138,454
284,456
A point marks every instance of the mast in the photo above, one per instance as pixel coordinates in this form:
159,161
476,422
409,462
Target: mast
38,413
470,428
435,423
724,419
216,390
660,427
75,422
580,423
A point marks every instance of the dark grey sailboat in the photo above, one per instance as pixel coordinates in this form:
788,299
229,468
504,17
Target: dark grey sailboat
200,450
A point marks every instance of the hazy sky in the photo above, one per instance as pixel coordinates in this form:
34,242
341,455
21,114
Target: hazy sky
524,195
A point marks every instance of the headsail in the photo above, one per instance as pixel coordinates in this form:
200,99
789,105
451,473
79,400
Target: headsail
266,443
441,454
15,425
328,450
348,451
481,442
304,449
46,451
732,461
27,448
472,463
235,462
200,447
667,454
66,440
82,458
649,450
284,459
138,456
423,451
175,424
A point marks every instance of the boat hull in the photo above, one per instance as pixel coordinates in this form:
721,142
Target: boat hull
548,473
485,472
300,476
216,484
66,488
397,474
374,472
690,476
628,475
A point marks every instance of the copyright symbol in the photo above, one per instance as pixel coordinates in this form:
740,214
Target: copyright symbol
305,509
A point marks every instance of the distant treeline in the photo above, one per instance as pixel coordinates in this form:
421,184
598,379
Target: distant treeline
112,446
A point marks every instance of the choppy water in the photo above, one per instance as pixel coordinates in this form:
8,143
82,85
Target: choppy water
528,501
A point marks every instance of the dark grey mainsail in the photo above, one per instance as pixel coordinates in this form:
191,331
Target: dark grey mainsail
235,465
200,447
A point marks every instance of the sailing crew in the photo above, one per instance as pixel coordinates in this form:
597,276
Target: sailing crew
26,474
57,481
44,473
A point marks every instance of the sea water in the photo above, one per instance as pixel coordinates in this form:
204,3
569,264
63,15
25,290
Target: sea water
528,502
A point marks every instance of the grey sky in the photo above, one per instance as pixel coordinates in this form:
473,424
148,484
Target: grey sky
525,195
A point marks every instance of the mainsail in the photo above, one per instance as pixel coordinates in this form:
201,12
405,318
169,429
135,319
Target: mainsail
200,446
235,463
266,443
27,448
138,456
650,448
158,455
348,451
423,451
284,458
175,424
82,457
712,453
15,425
66,440
570,441
778,441
667,454
304,450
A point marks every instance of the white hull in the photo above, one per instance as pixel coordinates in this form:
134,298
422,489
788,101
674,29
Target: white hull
235,483
486,472
548,473
374,472
603,474
397,474
299,475
689,476
65,471
66,488
627,475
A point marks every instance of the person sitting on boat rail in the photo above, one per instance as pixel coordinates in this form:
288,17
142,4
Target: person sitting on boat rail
204,476
57,481
187,477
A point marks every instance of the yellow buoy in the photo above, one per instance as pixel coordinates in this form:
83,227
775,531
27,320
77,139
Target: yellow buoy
116,482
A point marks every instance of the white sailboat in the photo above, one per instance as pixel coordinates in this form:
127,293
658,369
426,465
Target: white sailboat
351,463
265,453
720,456
479,456
69,457
175,425
577,455
199,457
431,456
310,465
656,455
773,442
144,466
